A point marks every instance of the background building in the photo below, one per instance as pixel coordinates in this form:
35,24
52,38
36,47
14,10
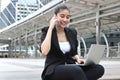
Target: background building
8,15
16,10
24,9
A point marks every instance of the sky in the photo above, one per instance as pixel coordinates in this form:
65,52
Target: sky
4,3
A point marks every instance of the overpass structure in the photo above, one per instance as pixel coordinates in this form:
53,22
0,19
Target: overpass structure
89,17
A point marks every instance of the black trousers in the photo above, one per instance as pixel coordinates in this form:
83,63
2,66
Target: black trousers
75,72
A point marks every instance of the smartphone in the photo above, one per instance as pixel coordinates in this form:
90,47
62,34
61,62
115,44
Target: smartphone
57,23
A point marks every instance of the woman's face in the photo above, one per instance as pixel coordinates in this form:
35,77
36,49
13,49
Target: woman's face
63,17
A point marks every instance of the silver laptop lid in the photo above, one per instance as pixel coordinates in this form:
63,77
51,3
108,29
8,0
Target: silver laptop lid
95,54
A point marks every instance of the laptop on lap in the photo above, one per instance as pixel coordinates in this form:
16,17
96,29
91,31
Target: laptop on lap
94,55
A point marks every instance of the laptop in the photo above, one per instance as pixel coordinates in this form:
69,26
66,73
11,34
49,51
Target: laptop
94,55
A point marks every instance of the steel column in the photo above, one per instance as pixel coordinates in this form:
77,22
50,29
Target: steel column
97,23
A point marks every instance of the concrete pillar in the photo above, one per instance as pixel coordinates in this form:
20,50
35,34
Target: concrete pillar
35,42
19,41
10,50
26,43
14,47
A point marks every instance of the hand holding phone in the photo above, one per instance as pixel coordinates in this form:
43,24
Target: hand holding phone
57,23
53,22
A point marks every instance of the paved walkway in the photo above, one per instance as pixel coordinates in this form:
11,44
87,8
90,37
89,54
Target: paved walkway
112,69
30,69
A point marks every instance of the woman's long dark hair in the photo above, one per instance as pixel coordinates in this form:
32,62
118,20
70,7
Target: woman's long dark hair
60,7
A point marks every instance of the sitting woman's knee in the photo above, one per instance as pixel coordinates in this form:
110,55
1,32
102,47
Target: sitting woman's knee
101,70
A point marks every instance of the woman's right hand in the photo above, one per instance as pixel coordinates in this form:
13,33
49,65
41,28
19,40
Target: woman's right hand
53,22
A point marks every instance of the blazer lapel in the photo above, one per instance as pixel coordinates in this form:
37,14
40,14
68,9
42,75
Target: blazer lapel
55,39
69,37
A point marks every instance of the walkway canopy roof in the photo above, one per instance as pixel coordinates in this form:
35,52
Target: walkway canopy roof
84,14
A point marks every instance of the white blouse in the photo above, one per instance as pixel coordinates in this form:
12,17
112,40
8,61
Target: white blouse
64,46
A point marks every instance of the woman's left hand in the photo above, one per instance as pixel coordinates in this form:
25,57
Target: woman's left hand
80,61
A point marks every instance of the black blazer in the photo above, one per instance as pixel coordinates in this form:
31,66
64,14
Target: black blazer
55,56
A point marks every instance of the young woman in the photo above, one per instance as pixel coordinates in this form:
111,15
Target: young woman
59,44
